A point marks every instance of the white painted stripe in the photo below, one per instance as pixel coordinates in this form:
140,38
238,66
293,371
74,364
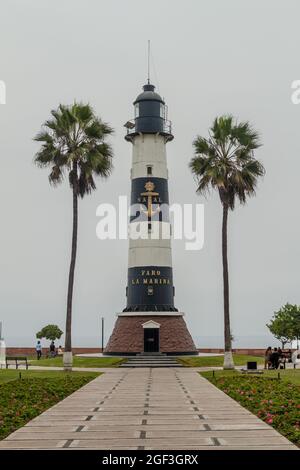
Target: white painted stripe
163,244
146,256
139,170
149,150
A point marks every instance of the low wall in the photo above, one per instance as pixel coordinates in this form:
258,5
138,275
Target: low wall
247,351
32,352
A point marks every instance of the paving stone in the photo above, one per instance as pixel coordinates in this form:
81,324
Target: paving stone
238,426
26,444
206,433
222,448
48,429
98,435
155,443
227,441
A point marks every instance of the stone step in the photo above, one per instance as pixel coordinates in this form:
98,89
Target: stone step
145,354
151,361
152,365
156,358
149,364
145,359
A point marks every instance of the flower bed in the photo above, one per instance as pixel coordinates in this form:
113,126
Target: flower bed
274,401
23,400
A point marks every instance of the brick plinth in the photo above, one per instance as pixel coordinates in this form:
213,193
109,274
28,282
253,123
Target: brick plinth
128,335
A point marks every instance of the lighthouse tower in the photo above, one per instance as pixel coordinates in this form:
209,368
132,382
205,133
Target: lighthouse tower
150,323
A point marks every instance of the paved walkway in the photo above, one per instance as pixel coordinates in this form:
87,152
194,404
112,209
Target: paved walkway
147,409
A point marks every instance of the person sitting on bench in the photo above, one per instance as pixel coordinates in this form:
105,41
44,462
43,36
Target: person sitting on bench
52,349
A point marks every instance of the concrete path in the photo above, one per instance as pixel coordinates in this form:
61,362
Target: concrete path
147,409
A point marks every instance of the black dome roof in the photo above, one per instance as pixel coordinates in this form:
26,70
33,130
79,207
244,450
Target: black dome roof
149,94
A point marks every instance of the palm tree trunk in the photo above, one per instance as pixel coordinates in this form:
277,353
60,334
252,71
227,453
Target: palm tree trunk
68,341
228,360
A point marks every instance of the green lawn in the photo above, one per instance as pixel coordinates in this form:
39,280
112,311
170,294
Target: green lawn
290,375
80,362
23,399
6,375
217,361
275,401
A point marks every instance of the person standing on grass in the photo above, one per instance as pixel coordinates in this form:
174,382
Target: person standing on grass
268,354
38,349
275,359
52,349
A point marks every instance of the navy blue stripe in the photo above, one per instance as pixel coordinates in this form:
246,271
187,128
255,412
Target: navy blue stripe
140,198
150,288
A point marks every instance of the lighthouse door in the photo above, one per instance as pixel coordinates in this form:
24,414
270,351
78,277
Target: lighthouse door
151,339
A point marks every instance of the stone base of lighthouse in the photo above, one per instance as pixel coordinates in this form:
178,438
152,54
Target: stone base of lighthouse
150,333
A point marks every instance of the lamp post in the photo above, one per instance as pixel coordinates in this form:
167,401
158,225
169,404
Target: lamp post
2,348
102,334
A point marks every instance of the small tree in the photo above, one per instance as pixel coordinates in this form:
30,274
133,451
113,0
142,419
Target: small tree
296,323
50,332
281,324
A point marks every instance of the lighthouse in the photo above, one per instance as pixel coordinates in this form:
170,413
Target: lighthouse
150,322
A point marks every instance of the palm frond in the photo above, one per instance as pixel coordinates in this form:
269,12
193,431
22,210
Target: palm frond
74,134
56,176
225,160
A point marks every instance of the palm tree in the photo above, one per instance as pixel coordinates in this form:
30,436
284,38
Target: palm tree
225,162
74,145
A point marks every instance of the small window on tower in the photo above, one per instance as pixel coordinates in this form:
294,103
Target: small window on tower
149,170
136,111
162,111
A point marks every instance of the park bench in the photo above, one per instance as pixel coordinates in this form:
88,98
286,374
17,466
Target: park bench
285,358
16,360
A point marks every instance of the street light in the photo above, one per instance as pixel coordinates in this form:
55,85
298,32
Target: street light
2,348
102,333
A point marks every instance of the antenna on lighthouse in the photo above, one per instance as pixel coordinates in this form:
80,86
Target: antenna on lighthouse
148,61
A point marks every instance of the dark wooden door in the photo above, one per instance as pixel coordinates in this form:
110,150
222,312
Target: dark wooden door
151,339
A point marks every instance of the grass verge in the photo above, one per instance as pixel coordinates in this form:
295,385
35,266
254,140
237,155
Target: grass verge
23,399
277,402
79,362
217,361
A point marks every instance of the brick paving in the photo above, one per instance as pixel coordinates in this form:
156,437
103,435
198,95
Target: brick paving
147,409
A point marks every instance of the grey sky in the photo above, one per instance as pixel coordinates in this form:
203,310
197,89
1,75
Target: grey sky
211,57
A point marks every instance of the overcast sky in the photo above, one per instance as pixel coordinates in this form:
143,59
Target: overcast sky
209,57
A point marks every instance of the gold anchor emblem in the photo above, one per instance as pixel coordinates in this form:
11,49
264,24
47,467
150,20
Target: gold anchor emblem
149,186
